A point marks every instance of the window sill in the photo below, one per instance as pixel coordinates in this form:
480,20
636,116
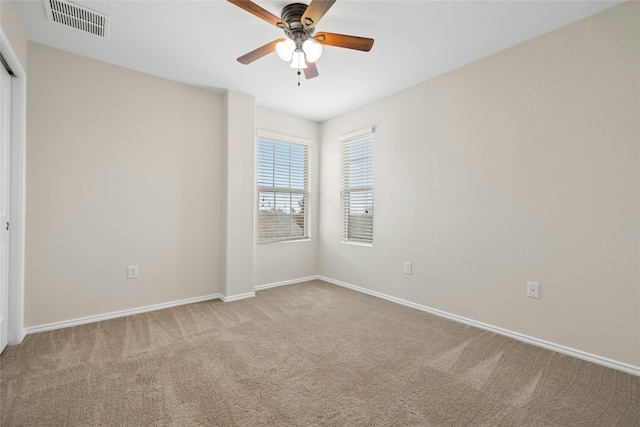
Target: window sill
349,242
284,241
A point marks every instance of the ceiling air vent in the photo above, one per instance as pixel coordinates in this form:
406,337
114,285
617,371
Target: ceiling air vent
77,17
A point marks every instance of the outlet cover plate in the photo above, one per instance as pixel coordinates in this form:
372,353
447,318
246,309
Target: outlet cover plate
407,268
132,272
533,290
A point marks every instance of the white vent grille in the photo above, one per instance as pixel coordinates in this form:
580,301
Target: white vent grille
77,17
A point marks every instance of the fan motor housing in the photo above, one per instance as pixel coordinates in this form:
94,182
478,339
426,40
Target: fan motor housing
292,15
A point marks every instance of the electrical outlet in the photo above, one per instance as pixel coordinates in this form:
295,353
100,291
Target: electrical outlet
407,267
132,272
533,290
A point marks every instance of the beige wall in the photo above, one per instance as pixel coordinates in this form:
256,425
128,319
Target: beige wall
520,167
122,168
286,261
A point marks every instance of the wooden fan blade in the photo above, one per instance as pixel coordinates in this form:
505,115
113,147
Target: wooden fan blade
311,71
259,52
340,40
315,12
261,13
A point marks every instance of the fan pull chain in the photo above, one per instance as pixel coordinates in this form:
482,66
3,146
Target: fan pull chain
299,76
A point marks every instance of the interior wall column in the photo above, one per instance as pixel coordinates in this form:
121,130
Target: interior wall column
238,160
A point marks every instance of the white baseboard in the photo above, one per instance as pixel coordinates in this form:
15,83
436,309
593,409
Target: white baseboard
123,313
286,282
634,370
116,314
237,297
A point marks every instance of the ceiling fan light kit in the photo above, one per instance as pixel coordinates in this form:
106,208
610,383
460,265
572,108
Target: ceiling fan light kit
287,51
301,46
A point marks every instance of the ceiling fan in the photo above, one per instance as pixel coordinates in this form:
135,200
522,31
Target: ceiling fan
302,46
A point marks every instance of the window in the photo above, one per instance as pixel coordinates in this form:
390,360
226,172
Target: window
283,191
356,179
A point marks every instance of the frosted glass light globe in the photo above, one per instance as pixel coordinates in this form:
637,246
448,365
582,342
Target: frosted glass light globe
312,50
298,60
285,49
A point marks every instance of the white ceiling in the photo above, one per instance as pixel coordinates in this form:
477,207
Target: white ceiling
197,43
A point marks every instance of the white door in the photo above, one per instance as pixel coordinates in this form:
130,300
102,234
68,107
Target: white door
5,144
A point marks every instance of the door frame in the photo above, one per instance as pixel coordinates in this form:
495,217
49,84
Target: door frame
16,330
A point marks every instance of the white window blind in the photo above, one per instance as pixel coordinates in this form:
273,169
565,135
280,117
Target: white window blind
283,191
357,188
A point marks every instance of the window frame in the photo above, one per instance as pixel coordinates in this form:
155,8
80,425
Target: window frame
276,138
364,174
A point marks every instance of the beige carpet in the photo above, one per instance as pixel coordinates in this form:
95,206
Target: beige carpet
311,354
